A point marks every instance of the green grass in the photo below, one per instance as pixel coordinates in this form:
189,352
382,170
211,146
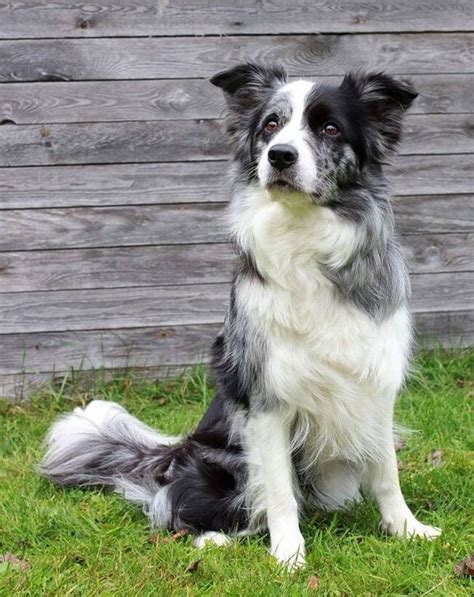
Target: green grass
84,542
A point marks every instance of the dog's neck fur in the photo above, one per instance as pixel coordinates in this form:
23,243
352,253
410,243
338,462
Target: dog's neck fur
348,242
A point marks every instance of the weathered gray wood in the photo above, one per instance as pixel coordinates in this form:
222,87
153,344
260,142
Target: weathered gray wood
194,182
112,309
20,386
116,267
184,57
442,292
105,143
167,141
180,305
122,348
454,328
124,267
119,226
434,329
150,348
148,17
109,101
111,226
436,253
125,184
431,175
437,214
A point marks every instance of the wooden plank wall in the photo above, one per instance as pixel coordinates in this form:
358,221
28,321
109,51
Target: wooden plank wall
113,251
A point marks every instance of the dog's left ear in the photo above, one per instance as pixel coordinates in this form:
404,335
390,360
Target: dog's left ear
384,100
245,85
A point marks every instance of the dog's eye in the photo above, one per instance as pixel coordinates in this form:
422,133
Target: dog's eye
330,129
271,125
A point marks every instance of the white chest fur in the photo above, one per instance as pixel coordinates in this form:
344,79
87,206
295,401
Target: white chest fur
325,356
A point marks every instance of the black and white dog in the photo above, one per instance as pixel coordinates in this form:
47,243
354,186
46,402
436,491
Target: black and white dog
316,341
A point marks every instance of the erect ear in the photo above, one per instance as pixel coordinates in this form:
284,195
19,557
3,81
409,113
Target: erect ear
246,84
384,100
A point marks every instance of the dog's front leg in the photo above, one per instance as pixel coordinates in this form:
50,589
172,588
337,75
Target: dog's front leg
383,481
269,439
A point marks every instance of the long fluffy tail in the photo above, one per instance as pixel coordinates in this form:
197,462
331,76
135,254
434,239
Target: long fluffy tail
104,445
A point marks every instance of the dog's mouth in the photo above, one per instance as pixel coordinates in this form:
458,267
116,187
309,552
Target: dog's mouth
282,185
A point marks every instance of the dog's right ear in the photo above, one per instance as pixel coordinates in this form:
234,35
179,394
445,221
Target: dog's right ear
244,85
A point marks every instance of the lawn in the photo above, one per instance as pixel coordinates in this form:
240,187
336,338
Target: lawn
90,542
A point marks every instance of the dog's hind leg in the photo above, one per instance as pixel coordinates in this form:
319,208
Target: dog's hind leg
337,486
211,537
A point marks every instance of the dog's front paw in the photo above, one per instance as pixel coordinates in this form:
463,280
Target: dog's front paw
410,527
290,552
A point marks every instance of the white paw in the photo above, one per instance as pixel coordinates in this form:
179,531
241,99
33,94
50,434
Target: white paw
211,537
291,553
410,527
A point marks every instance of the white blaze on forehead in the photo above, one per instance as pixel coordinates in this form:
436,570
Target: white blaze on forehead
297,94
294,133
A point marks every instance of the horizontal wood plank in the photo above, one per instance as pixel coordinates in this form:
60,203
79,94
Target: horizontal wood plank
112,226
49,349
197,182
122,348
201,57
106,143
118,101
432,215
195,140
442,292
454,328
432,253
125,267
116,267
126,184
180,305
223,17
20,386
113,309
119,226
152,348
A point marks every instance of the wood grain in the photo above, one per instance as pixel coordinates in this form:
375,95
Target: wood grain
128,226
111,226
118,101
147,17
192,140
454,328
197,182
106,143
180,305
72,269
152,348
122,348
113,171
112,309
48,349
125,184
125,267
432,215
21,385
201,57
442,292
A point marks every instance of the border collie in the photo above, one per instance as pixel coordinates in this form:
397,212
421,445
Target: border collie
316,341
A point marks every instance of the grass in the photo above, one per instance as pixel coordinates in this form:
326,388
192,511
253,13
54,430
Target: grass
84,542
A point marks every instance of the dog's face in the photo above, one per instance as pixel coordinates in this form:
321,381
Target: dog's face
309,138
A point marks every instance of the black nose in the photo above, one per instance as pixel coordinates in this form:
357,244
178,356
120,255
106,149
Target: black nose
282,156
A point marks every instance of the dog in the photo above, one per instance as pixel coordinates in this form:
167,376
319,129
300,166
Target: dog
316,341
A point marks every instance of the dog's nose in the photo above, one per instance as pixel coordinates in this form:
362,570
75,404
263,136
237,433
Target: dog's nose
282,156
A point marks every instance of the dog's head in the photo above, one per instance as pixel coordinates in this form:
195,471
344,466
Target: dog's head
308,137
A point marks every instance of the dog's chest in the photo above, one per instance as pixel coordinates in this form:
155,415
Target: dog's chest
317,344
